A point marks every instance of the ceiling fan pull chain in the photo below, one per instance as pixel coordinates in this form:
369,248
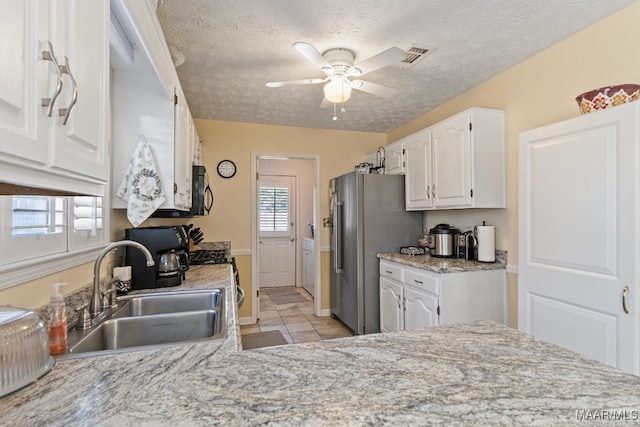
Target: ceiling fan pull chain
335,117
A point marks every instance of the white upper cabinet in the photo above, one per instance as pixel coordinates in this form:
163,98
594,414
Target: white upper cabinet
461,164
184,129
148,101
23,81
54,86
394,158
391,157
80,144
451,163
418,171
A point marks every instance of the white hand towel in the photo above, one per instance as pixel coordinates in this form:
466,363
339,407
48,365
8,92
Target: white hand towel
141,186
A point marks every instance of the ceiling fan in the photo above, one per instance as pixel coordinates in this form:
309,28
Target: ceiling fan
342,75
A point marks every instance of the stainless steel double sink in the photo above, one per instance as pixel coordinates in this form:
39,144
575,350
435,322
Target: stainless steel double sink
155,320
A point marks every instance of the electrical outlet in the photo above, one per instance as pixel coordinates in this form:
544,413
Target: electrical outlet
326,222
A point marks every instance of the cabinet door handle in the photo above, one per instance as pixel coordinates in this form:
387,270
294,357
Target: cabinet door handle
405,303
418,281
64,112
625,307
433,190
428,192
399,302
49,102
389,272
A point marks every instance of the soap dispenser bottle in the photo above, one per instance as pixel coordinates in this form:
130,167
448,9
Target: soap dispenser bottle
57,322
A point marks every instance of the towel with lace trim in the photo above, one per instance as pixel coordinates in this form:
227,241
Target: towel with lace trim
141,186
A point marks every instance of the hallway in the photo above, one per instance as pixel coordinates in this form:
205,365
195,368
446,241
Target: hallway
286,317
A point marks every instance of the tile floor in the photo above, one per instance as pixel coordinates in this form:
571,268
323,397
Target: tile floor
295,321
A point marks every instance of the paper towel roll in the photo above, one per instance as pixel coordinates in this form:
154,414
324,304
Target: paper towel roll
486,243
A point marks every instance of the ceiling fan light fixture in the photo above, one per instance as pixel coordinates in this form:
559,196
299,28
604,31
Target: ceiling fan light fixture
337,91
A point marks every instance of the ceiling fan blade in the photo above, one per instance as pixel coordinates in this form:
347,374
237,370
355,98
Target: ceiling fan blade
312,54
296,82
374,88
390,56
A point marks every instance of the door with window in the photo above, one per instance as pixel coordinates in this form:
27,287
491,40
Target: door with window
276,230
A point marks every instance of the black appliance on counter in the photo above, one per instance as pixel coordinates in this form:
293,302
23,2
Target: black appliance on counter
467,246
201,197
161,242
218,256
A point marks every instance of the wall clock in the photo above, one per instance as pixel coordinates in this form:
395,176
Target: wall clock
226,169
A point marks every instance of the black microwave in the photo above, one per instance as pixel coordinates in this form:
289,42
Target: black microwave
201,197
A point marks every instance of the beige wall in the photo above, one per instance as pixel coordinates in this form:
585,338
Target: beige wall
536,92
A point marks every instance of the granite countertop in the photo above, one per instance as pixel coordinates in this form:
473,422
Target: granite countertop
480,373
446,265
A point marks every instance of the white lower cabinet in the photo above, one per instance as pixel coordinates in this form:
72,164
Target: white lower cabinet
412,298
420,308
308,270
391,305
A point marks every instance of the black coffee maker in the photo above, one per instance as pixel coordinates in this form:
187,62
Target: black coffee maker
467,246
168,245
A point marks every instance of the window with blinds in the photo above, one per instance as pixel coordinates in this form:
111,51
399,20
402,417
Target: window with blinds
38,215
41,226
87,214
274,209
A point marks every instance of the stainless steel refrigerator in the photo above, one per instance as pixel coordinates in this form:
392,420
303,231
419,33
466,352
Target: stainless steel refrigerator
368,216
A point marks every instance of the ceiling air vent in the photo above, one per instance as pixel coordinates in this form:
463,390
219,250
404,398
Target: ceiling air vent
414,54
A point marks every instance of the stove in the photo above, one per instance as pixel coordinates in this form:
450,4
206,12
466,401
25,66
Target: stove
217,256
212,256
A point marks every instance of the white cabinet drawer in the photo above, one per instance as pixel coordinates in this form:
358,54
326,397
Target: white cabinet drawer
391,270
422,281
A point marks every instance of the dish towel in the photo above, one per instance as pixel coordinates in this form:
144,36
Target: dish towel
141,186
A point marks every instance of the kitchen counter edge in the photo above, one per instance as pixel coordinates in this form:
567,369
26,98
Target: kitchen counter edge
446,265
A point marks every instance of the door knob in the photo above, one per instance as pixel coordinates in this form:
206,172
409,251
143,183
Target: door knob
292,239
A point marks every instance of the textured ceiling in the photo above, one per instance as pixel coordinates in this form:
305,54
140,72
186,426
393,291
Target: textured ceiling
232,48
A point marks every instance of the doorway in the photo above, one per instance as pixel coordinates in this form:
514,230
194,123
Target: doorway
277,230
285,186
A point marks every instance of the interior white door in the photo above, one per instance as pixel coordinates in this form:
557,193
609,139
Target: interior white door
578,233
276,237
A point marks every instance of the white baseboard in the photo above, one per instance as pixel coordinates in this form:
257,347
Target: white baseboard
245,321
324,313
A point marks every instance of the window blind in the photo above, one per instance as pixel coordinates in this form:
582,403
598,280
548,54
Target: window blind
87,214
274,209
38,215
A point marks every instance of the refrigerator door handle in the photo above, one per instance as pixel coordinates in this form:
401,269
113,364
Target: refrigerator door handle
337,235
